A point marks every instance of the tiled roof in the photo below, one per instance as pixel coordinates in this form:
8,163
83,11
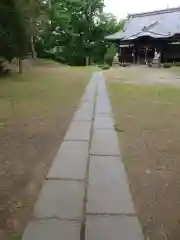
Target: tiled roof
156,24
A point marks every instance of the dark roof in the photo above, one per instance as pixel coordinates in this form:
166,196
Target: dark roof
157,24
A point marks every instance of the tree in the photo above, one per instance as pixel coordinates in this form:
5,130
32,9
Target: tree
36,14
70,31
106,25
13,32
76,31
109,56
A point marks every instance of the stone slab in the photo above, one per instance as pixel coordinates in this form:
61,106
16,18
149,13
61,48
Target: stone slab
52,229
103,107
62,199
70,161
89,94
103,121
102,89
113,228
104,142
88,97
85,112
103,96
83,116
78,131
108,189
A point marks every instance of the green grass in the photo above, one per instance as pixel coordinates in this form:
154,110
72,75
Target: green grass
160,101
125,74
144,75
131,92
36,109
41,90
15,236
148,126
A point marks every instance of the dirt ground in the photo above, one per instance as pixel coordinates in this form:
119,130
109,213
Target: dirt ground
36,109
148,126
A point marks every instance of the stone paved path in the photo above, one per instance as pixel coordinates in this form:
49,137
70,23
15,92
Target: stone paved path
86,194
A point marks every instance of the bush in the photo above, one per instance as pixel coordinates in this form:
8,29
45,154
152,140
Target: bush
100,66
109,56
125,64
104,67
3,69
177,64
167,65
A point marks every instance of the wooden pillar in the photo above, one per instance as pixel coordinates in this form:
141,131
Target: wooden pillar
120,54
133,55
138,58
137,54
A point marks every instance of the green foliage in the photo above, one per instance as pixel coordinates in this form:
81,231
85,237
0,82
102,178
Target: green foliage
167,65
77,31
111,52
19,19
69,31
125,64
13,30
104,67
177,64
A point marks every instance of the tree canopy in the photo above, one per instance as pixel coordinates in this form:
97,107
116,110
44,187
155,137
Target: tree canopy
13,31
69,31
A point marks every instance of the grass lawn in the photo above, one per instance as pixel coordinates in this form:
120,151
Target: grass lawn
35,112
125,74
144,75
148,120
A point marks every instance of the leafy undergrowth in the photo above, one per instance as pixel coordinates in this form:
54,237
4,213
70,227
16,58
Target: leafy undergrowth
148,117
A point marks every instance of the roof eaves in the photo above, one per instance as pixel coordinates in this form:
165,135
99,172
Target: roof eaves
115,36
157,12
147,34
160,34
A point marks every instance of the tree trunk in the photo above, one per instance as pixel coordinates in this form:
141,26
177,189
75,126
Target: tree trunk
20,65
87,60
34,54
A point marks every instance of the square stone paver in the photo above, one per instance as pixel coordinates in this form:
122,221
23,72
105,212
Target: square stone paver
108,189
79,131
103,121
89,95
85,112
83,116
113,228
70,161
62,199
103,106
104,142
52,229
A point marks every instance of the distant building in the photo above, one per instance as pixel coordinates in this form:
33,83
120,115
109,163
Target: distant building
150,34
